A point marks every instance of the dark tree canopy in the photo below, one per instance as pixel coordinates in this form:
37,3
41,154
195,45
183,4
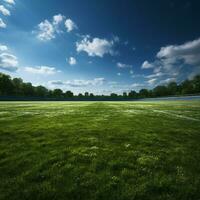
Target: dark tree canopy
17,88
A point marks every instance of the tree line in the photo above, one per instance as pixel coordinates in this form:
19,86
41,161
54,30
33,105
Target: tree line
17,88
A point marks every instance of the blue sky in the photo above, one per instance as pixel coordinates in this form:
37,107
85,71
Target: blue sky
100,46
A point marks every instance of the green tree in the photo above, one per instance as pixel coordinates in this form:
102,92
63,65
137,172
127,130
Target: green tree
160,91
41,91
125,95
69,94
113,95
144,93
187,87
80,95
196,82
91,95
6,85
57,93
172,88
28,89
86,94
18,86
132,94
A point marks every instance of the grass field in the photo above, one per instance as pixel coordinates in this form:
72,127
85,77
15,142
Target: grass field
100,150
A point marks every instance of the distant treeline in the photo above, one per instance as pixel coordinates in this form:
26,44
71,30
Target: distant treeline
16,89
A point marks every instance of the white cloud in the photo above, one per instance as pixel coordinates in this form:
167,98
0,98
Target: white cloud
46,31
72,61
8,62
57,19
70,25
112,83
2,24
79,83
147,65
152,81
118,74
156,75
176,61
3,47
10,1
138,76
167,81
122,65
56,82
137,85
95,47
188,52
43,70
131,71
4,11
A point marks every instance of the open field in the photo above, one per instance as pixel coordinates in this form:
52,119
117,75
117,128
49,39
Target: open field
100,150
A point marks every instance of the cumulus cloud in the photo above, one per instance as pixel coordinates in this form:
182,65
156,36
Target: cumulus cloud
46,31
79,83
58,19
72,61
3,47
147,65
188,52
2,23
95,47
175,62
70,25
8,62
42,70
10,1
122,65
4,10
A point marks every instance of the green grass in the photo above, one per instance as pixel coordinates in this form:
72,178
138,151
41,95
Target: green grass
100,150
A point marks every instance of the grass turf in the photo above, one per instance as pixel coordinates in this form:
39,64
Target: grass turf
100,150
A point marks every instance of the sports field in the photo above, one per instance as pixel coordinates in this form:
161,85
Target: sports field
100,150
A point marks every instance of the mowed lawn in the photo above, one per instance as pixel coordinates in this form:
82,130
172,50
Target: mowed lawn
100,150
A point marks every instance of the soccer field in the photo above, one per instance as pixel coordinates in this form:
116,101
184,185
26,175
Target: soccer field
100,150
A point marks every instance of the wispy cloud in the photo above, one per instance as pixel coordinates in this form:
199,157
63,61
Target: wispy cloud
152,81
79,82
42,70
122,65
